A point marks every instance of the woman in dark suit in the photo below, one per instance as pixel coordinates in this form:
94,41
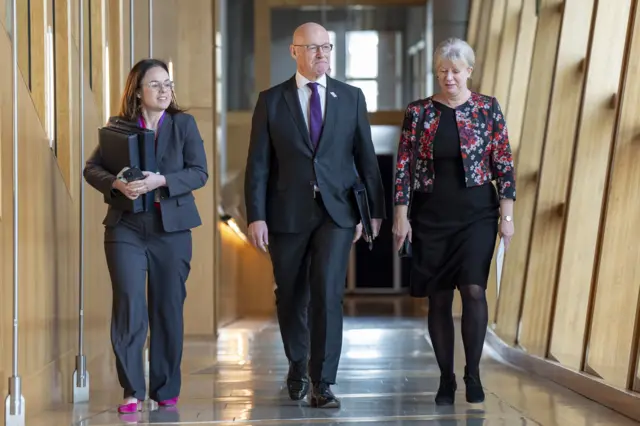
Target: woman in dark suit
157,242
458,142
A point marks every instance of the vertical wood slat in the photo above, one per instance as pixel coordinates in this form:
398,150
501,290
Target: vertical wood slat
98,33
64,93
527,166
117,54
489,67
520,81
475,9
262,46
506,56
481,43
38,26
23,18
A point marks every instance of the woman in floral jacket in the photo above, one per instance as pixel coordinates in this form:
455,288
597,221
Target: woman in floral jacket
452,147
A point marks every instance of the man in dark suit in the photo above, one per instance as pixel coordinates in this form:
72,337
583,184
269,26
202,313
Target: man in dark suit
307,134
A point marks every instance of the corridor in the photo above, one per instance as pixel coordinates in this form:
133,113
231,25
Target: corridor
388,376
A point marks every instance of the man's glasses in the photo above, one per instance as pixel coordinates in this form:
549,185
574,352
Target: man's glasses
325,48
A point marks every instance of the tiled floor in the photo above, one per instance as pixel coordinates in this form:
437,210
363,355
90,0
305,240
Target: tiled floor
388,376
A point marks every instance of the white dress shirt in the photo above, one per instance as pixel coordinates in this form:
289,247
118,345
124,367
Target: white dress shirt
304,94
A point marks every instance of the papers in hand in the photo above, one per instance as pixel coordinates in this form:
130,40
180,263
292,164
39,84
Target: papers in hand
499,264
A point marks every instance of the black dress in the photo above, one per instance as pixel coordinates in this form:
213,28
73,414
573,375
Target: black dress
454,227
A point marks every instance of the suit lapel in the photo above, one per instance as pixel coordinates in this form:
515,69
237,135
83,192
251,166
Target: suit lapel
293,102
331,114
164,136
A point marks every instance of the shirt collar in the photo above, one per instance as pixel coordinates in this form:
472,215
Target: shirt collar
302,81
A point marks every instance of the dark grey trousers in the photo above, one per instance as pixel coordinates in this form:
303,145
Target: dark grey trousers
310,270
137,248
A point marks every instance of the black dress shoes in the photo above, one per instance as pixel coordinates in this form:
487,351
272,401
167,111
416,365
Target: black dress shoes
297,383
322,397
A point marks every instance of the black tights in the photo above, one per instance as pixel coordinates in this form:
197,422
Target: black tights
475,317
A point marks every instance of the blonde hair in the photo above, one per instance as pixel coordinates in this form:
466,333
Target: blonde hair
454,49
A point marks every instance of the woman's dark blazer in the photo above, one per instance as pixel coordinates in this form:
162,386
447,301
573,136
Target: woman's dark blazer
181,159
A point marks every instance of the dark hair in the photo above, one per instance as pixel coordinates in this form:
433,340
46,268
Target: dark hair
130,103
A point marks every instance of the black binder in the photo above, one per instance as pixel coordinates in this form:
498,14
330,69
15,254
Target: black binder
124,144
146,142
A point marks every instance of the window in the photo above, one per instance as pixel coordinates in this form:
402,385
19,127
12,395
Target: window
362,64
332,58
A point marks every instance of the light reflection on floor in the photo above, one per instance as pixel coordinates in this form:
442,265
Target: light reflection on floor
388,376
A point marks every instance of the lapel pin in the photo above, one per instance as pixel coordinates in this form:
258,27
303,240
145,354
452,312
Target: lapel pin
334,94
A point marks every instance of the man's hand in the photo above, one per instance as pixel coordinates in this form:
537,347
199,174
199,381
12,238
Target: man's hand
375,227
358,233
259,234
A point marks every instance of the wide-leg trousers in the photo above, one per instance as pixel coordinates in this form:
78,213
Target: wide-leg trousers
137,249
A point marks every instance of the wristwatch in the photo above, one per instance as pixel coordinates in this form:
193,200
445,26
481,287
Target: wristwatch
507,218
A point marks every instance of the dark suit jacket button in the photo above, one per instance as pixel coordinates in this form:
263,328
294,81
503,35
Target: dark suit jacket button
315,160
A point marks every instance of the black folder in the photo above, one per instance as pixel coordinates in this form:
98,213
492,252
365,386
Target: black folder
121,146
362,202
146,142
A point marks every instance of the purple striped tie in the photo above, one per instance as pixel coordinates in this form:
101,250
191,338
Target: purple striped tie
315,115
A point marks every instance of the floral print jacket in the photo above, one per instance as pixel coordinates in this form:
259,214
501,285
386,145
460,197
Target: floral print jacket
484,145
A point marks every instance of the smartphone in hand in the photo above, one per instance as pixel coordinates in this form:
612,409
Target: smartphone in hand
133,174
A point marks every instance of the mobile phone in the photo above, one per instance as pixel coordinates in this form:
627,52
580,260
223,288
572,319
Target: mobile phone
133,174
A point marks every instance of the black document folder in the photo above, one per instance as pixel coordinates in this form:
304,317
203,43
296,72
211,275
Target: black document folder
124,145
362,202
146,142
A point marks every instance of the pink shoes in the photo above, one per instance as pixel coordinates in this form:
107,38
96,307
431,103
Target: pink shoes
169,402
132,406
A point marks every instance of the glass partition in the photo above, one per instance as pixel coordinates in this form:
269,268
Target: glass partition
371,48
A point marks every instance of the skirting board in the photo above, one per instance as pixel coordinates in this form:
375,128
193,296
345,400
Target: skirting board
624,402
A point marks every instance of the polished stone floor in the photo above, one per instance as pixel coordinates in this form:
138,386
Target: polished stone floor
388,376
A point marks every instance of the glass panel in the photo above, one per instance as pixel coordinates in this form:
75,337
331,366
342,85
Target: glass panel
240,55
370,43
332,57
362,54
370,90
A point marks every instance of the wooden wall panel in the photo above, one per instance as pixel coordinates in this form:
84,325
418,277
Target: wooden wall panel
118,57
141,29
48,236
612,337
527,166
570,304
620,229
506,55
490,59
98,44
590,165
39,22
66,105
49,231
475,12
556,216
262,46
23,17
194,87
481,43
520,81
